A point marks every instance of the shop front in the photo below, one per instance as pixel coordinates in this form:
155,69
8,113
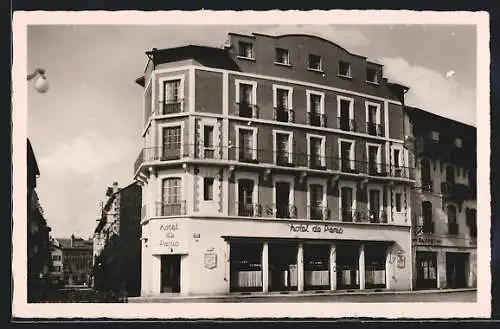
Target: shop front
444,263
206,256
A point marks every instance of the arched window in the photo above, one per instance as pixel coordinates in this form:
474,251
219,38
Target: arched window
425,168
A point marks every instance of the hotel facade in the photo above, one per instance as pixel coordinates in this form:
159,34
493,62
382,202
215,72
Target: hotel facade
273,164
444,202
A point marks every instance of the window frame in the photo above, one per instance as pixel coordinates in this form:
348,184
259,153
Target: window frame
211,181
316,181
379,156
376,71
290,145
352,152
277,49
320,63
242,43
254,131
322,148
289,95
321,94
351,106
162,127
349,71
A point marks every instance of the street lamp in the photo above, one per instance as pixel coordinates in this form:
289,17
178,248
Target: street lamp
41,83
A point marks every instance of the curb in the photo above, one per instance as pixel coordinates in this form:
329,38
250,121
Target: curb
295,294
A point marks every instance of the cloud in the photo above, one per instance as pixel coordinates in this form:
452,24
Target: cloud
86,154
432,91
346,38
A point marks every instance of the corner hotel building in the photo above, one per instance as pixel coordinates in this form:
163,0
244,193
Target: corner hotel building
272,164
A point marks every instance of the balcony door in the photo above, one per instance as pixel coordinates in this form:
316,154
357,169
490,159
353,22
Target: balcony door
374,199
246,144
345,155
372,120
246,101
346,204
171,197
425,168
171,98
282,149
171,143
450,174
282,199
427,223
245,197
316,201
344,118
373,159
315,151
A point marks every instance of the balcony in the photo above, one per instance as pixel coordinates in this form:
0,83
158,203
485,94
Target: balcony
280,158
428,227
171,208
374,129
246,110
346,215
318,213
282,114
427,186
456,191
453,228
171,106
316,119
346,124
248,209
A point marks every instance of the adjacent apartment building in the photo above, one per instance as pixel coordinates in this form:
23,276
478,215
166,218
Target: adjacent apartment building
273,164
117,240
444,202
77,260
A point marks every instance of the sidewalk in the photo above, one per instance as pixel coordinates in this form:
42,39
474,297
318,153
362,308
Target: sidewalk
168,296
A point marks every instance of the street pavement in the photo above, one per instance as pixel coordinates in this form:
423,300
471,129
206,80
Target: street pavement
447,297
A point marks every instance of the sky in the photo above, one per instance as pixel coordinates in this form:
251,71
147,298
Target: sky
85,131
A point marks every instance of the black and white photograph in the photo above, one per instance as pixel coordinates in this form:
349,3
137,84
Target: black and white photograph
251,164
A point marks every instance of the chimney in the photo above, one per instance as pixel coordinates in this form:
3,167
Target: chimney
115,187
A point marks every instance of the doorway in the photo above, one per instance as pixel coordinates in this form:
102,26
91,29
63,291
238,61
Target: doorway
426,265
456,266
283,266
347,263
171,273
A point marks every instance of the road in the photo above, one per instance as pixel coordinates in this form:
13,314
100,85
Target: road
448,297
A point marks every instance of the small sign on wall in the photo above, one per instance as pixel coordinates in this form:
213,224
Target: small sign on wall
210,259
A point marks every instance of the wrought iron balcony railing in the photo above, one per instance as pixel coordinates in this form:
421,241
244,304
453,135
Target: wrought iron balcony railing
347,124
246,110
374,129
249,209
171,208
427,185
318,212
316,119
283,114
280,158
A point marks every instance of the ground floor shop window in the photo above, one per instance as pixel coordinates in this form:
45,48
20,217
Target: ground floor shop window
426,267
245,267
347,266
283,273
316,266
375,257
456,269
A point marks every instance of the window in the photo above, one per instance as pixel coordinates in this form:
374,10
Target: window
398,202
435,136
283,103
247,144
316,151
171,197
208,188
345,114
282,56
372,75
315,62
171,97
245,98
427,223
458,142
346,194
315,108
452,219
283,148
373,159
347,155
344,69
208,141
245,50
372,120
282,99
171,143
374,204
245,197
316,201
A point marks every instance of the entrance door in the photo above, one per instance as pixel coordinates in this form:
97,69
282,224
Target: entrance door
282,199
456,266
426,270
170,273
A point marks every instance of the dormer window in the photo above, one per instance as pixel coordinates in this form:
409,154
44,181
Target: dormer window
282,56
435,136
458,142
344,69
245,50
315,62
372,75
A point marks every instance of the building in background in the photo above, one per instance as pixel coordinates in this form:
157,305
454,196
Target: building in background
444,202
56,274
272,164
39,253
117,244
77,260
